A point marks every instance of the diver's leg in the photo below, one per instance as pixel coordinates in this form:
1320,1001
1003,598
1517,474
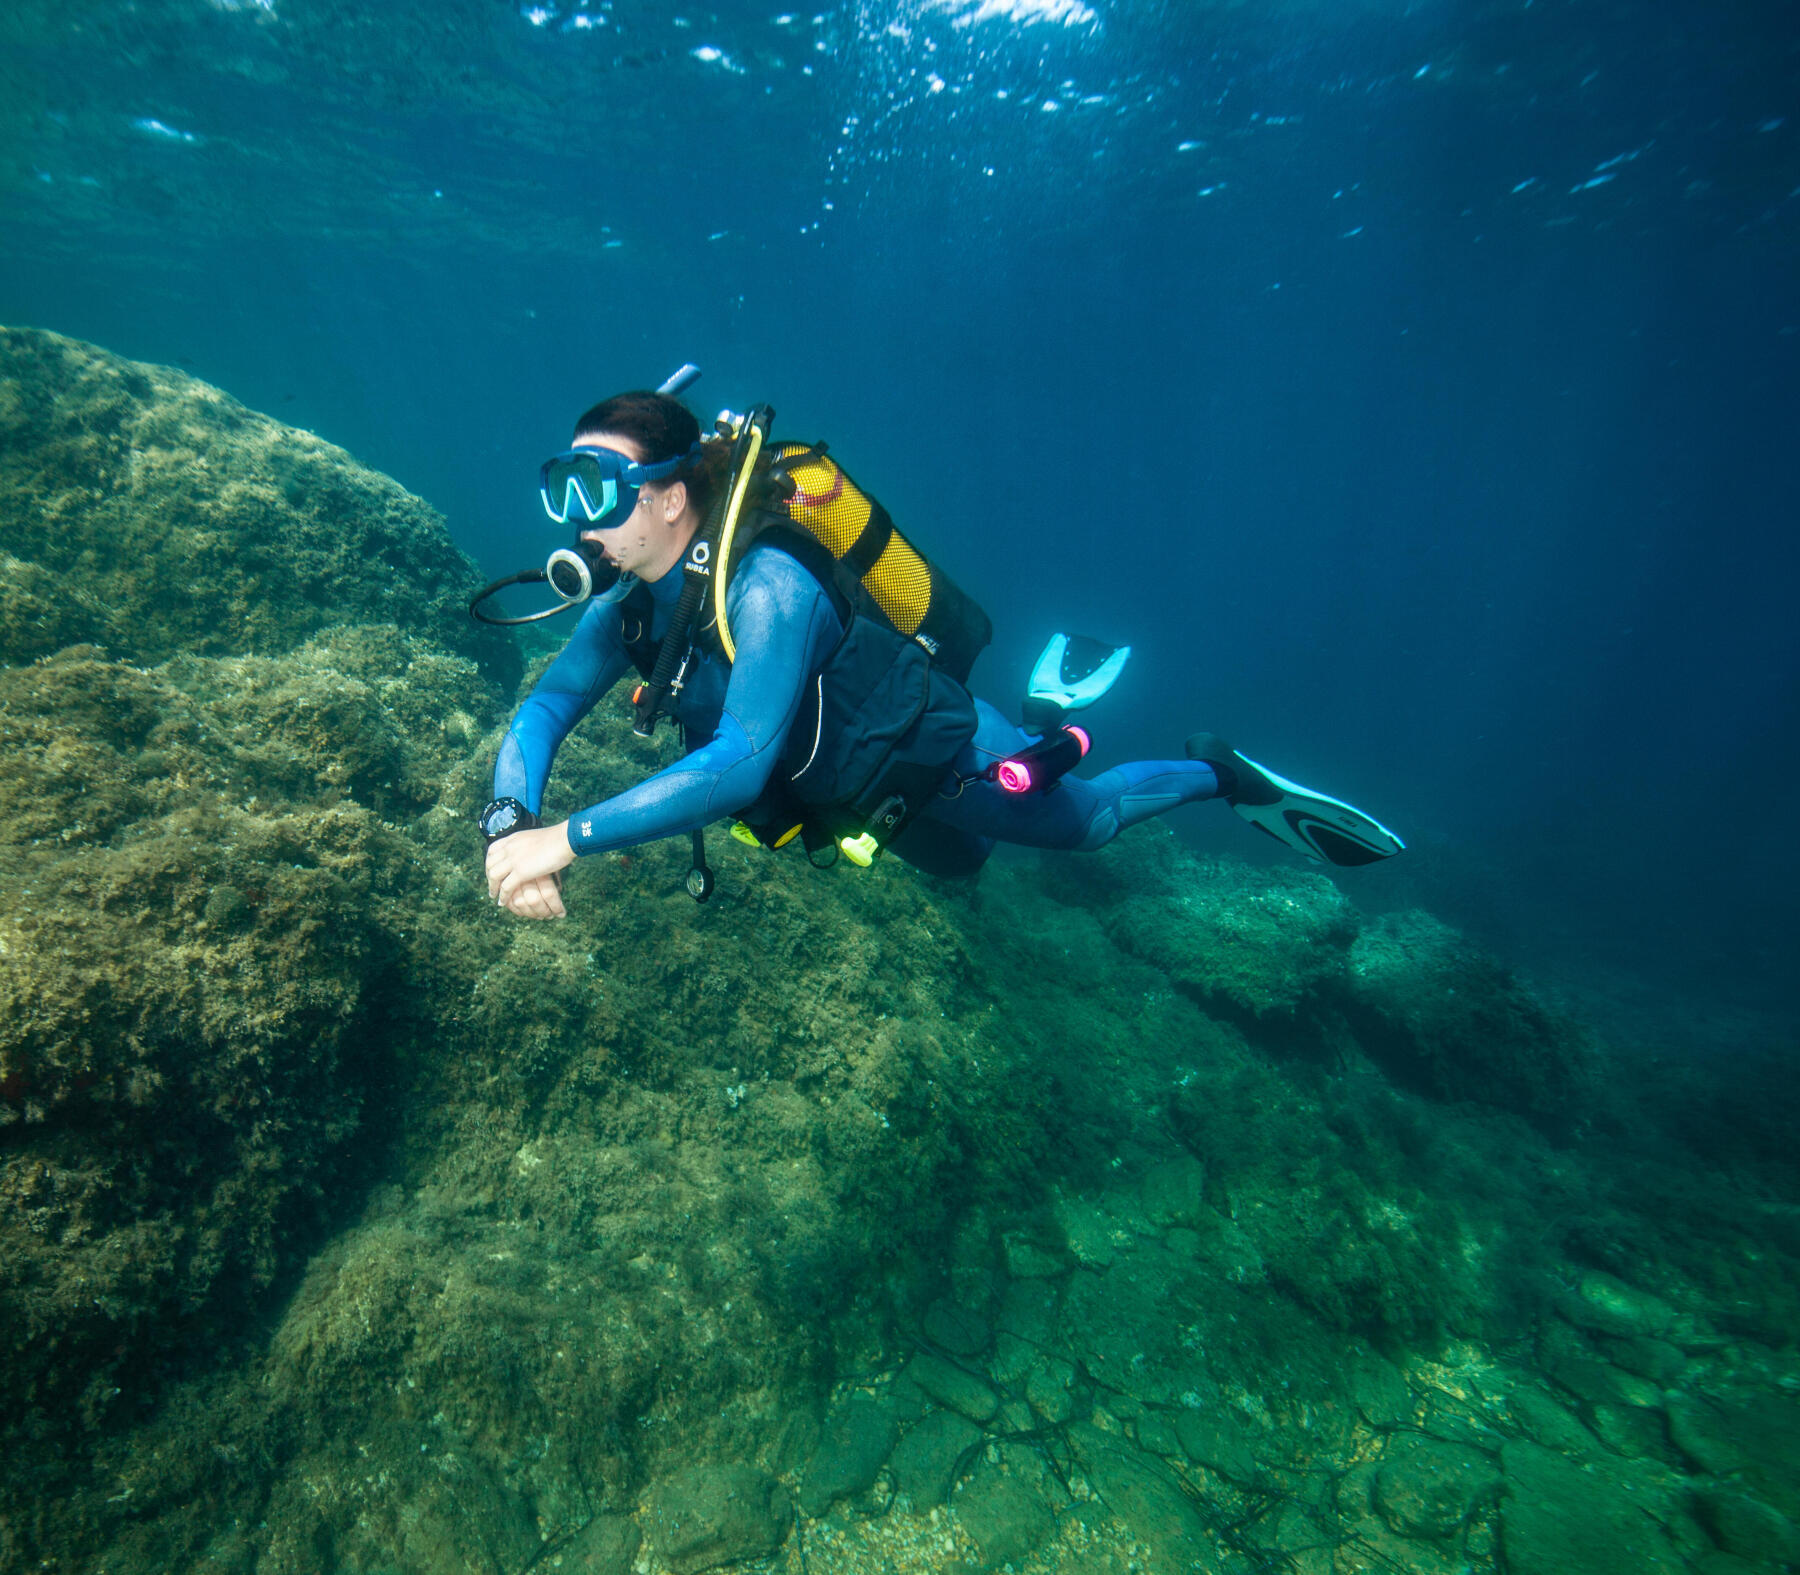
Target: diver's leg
1076,813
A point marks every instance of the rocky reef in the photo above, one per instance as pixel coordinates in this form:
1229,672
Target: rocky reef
1112,1213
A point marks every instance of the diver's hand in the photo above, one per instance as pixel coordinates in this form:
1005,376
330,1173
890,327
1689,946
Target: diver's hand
538,899
522,871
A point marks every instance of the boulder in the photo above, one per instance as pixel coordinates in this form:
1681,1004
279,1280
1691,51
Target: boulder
715,1515
1556,1517
929,1458
1428,1489
954,1387
857,1438
1005,1514
1446,1017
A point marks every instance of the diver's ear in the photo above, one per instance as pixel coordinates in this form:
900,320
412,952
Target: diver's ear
674,502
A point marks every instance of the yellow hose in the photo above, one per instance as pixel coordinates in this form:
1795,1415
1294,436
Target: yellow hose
740,485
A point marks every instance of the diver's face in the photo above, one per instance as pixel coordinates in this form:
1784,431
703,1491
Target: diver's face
649,540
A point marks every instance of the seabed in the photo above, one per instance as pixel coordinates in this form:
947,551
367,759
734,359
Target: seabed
1138,1212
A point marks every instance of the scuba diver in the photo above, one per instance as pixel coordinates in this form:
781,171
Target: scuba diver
816,664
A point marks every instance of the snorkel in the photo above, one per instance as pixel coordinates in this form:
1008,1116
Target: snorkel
578,572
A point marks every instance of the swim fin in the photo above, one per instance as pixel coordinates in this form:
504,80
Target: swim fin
1326,830
1072,673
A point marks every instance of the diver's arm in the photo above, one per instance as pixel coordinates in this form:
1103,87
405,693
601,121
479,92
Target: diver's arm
589,665
783,625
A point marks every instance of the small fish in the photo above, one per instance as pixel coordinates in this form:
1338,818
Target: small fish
1525,185
1597,180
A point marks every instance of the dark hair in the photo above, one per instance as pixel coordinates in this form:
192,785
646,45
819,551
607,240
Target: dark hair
663,428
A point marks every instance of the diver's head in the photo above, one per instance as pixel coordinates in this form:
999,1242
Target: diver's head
651,520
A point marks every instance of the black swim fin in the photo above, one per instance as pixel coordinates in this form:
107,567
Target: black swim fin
1324,829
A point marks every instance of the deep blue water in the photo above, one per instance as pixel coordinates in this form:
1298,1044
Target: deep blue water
1414,387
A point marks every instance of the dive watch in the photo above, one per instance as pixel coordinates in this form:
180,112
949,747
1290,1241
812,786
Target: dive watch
503,817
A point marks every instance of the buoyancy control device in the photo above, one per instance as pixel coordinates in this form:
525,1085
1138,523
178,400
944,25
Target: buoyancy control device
888,713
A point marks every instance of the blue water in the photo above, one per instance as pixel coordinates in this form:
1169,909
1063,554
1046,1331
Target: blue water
1414,387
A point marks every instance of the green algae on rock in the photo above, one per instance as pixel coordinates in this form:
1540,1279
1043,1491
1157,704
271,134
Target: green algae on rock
612,1243
171,519
1449,1018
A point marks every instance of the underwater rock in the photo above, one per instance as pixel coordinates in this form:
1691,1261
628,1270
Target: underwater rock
1606,1305
711,1516
1379,1391
949,1385
1708,1435
1142,1493
1659,1361
607,1545
1428,1489
928,1459
1218,1440
1632,1431
1048,1390
1748,1527
1028,1312
203,527
41,614
1174,1192
200,933
1247,940
1011,1361
1025,1260
1449,1019
956,1329
856,1440
1749,1433
345,1223
1574,1363
1555,1517
1093,1234
1155,1432
1004,1511
1549,1424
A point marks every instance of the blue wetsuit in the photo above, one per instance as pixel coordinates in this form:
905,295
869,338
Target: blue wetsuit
785,627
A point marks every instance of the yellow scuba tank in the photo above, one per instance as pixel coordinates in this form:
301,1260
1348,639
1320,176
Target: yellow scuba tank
805,489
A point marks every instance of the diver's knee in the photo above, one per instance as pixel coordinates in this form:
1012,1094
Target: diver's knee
1100,830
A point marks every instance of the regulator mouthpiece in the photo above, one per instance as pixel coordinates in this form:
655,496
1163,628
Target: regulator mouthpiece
572,573
578,572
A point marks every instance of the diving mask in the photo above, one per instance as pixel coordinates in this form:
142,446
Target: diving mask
600,483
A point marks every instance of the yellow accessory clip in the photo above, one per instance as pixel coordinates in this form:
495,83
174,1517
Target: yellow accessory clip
860,851
744,834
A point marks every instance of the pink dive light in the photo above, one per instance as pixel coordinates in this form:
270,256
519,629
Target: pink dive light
1040,765
1014,776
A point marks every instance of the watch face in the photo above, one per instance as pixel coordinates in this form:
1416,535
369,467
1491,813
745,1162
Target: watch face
500,818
